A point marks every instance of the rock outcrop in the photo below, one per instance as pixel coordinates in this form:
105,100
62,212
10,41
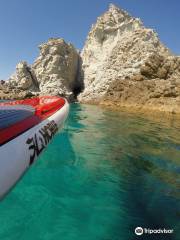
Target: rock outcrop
56,68
125,64
54,72
8,92
24,78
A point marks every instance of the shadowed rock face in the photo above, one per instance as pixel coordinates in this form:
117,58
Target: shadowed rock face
125,64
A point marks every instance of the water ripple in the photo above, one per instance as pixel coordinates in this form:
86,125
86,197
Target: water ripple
104,175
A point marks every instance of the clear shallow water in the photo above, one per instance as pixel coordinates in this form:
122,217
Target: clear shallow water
104,175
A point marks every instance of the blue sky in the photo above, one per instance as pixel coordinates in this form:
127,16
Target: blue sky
24,24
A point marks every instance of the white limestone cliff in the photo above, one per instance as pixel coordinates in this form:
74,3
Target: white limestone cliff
56,67
121,57
24,78
54,72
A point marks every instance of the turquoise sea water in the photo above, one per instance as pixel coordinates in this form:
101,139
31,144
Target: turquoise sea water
103,176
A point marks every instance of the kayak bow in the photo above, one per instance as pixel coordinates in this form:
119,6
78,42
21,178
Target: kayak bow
26,128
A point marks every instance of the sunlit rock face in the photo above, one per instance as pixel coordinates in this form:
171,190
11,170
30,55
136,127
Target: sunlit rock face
23,78
56,68
124,63
54,72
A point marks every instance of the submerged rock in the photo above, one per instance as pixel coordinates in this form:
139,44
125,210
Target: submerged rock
125,64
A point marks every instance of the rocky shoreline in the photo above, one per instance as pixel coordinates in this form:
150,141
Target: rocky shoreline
122,65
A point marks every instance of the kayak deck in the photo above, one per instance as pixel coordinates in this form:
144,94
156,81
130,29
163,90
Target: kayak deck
17,117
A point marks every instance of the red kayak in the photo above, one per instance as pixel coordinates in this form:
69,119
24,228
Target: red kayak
30,112
26,128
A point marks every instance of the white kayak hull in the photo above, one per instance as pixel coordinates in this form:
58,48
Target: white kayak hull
18,154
